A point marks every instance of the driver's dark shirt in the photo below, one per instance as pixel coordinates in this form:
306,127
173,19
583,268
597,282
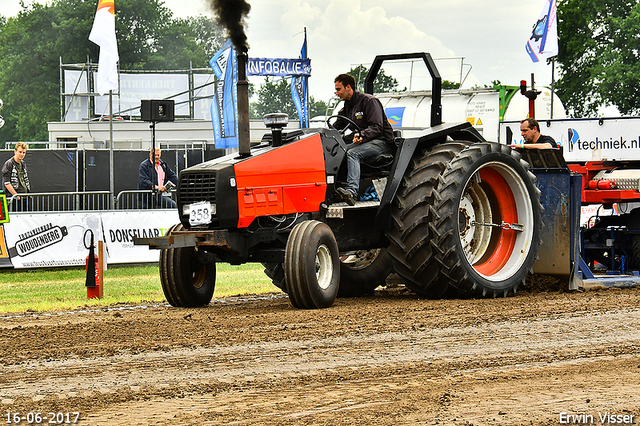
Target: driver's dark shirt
547,139
367,112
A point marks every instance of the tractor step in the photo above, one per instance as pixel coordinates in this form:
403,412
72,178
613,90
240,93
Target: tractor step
336,211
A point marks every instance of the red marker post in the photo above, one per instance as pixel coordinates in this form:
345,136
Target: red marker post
94,270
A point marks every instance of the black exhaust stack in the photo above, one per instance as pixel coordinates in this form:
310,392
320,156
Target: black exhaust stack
244,138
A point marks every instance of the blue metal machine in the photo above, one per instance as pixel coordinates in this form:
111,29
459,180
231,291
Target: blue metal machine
567,249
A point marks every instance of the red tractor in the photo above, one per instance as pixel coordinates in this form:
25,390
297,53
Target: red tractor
456,215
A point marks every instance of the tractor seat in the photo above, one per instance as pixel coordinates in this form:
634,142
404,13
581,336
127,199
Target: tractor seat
380,161
384,161
378,166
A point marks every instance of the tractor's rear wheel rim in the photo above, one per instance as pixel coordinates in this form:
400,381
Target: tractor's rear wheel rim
494,198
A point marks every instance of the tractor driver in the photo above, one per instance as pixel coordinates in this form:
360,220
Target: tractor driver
530,130
374,136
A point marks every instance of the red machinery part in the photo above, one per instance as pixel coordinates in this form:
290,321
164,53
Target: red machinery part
589,171
602,184
289,186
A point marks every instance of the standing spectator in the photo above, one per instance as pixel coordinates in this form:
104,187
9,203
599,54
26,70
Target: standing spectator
158,179
15,178
530,130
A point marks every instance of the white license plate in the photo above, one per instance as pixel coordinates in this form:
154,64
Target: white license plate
200,213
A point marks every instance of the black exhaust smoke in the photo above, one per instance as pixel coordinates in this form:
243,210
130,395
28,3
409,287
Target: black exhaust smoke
231,14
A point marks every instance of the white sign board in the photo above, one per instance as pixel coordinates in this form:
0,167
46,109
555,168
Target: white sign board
592,139
133,89
58,239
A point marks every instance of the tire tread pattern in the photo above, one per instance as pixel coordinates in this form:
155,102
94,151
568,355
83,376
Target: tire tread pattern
175,275
412,215
299,265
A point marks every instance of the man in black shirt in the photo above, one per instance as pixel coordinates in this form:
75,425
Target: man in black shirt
374,136
530,130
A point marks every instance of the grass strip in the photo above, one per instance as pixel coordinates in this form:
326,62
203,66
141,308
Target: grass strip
64,289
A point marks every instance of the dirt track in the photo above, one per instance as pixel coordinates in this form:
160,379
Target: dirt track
390,359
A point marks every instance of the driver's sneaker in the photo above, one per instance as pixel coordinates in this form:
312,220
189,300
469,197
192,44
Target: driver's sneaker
347,196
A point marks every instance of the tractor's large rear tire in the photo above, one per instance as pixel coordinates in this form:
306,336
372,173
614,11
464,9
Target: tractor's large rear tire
275,271
468,218
412,218
487,230
186,281
312,266
361,272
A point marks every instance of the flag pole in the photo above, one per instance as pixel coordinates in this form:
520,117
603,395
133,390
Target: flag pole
111,165
306,80
553,82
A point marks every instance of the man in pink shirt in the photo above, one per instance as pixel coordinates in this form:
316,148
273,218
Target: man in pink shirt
158,179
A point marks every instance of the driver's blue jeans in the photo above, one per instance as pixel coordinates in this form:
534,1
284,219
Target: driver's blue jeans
356,154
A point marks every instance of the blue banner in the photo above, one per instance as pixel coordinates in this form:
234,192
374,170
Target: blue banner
300,90
225,102
279,67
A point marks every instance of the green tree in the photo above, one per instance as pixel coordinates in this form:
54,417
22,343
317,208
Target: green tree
275,96
382,84
316,108
599,52
26,43
446,85
32,43
194,39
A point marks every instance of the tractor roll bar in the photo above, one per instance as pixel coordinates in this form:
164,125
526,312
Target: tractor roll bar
436,80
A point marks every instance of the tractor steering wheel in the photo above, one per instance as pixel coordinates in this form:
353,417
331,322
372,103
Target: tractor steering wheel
351,125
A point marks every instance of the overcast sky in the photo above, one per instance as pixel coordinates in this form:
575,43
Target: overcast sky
489,34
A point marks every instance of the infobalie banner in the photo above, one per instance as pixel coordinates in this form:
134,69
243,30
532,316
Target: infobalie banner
33,240
279,67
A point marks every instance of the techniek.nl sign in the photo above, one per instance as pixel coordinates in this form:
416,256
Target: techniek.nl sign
587,139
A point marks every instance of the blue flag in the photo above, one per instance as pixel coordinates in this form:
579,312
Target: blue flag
543,42
300,90
224,108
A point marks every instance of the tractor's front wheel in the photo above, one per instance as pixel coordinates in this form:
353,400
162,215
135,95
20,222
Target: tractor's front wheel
312,266
187,280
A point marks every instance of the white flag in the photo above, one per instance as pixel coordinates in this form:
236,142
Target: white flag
543,42
103,34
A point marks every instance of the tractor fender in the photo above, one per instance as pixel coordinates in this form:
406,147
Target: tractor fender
405,152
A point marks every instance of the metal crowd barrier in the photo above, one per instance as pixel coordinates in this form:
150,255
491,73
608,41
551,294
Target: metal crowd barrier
85,201
141,200
59,201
